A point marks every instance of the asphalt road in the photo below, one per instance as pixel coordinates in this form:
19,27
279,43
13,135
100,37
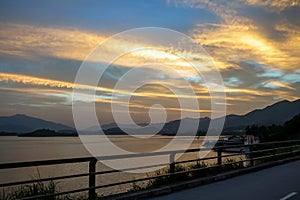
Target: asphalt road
277,183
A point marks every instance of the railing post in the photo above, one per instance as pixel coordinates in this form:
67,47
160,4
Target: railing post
92,179
219,151
172,163
274,152
291,148
251,156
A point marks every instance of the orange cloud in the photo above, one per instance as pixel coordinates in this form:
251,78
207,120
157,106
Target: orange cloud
230,44
34,81
277,84
277,5
201,93
33,41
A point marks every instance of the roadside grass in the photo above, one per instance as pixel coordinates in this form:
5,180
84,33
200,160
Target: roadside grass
37,189
186,172
31,190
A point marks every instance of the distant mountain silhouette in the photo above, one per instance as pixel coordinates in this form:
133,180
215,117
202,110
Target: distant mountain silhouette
277,113
23,124
49,133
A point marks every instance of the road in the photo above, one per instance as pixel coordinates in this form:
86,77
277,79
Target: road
277,183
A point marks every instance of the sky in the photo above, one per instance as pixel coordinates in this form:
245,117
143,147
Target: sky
255,45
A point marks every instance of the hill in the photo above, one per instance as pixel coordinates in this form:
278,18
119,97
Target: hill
290,130
277,113
48,133
23,124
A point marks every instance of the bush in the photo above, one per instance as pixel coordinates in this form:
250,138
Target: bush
203,169
34,189
231,164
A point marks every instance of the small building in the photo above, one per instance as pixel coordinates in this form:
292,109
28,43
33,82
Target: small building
250,139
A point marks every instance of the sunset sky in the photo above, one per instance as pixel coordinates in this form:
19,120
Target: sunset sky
255,44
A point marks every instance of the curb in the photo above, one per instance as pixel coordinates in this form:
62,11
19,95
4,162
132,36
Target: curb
196,182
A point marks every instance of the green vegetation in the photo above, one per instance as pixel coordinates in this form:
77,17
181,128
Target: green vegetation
231,164
153,183
196,170
290,130
36,189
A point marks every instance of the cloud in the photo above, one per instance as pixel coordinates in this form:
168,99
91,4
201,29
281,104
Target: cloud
230,44
233,82
253,29
275,5
150,94
30,80
32,42
38,43
255,45
291,78
40,92
273,84
35,82
226,10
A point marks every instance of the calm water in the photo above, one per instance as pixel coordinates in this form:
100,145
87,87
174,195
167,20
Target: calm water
16,149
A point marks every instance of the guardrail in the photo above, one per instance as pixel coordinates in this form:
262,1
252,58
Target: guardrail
254,154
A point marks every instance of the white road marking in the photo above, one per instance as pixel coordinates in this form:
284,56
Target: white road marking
288,196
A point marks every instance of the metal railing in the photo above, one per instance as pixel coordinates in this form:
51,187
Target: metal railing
254,154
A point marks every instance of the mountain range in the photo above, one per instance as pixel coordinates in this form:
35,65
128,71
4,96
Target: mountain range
277,113
22,123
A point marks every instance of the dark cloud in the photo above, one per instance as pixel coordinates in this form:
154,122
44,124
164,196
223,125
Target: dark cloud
292,15
266,21
44,67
